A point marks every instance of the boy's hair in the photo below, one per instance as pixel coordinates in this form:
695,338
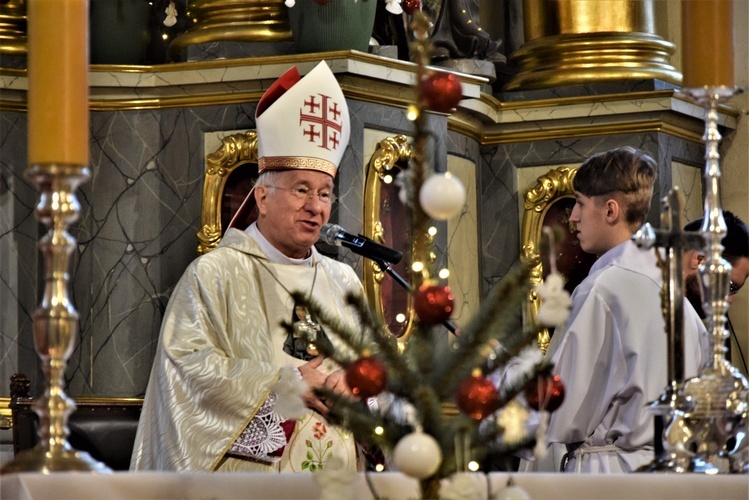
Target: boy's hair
627,173
736,241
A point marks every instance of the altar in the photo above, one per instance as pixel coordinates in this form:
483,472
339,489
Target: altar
163,486
153,130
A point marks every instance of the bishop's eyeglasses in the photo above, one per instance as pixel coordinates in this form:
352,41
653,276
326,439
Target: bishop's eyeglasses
303,193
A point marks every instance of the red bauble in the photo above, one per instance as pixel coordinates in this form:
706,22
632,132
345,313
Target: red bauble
366,377
322,2
441,92
545,393
433,303
410,6
477,397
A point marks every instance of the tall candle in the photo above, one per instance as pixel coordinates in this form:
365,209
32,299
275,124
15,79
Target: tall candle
58,82
707,42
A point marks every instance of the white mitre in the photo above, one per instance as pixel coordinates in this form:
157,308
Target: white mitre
303,123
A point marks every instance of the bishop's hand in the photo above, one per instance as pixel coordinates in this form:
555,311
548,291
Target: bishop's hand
336,382
314,378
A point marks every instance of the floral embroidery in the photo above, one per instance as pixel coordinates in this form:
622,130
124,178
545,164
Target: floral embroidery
319,451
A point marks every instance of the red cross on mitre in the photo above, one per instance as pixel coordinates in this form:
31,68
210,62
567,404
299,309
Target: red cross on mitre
320,119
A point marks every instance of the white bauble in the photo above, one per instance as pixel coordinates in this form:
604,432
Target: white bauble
417,455
442,196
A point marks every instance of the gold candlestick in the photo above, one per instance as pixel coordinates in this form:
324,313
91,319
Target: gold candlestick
55,325
58,155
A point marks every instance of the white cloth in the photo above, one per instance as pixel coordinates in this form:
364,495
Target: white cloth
264,436
612,360
220,351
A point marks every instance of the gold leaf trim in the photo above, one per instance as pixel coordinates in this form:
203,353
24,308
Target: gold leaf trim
235,150
550,187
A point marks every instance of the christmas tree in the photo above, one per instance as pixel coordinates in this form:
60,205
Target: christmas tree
438,412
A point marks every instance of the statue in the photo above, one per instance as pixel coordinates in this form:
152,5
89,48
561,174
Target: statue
458,38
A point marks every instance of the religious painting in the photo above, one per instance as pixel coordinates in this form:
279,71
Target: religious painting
549,203
386,221
230,173
571,261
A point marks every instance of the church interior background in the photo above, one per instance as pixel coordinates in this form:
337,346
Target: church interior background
528,109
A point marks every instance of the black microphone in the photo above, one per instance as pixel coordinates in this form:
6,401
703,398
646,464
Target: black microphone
333,234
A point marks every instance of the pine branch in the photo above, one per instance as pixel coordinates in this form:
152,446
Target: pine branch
376,338
356,417
347,333
509,391
404,381
491,322
382,338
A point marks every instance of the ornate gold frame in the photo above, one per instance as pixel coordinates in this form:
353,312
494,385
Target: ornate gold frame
391,153
550,187
235,150
6,415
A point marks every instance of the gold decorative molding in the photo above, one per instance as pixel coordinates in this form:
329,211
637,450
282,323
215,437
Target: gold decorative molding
545,18
386,162
592,130
6,415
570,42
549,188
504,135
484,124
567,60
150,86
235,150
13,39
235,21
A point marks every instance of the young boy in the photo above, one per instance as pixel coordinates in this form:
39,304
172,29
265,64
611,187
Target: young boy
611,356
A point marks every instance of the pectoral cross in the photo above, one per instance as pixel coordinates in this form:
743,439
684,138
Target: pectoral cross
306,329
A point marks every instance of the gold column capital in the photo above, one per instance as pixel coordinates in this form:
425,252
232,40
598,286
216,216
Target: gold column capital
13,27
572,42
235,21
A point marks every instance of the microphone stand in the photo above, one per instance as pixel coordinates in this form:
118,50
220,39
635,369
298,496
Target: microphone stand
386,267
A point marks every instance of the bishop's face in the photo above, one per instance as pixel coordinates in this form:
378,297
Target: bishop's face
291,221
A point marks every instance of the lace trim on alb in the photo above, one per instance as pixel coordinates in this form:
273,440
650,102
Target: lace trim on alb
263,435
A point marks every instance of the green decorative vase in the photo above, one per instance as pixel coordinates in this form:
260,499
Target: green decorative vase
338,25
118,31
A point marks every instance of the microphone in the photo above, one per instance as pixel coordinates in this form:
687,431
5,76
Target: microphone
333,234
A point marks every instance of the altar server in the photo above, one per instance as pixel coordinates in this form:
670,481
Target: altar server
611,356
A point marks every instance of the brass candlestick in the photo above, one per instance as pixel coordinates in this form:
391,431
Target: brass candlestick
716,423
55,325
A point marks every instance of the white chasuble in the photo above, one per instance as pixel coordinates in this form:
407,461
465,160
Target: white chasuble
220,352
